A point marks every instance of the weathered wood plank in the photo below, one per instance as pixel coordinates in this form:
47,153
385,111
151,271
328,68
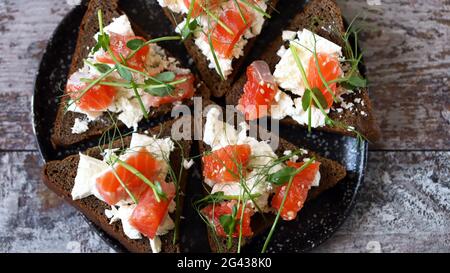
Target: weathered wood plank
404,206
33,219
407,53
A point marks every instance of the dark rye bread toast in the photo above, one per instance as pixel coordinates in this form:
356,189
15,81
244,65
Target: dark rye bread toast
331,173
216,85
324,18
60,175
62,132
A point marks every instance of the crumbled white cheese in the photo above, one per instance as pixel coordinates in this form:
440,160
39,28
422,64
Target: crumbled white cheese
131,113
288,35
123,213
158,147
155,244
80,126
91,115
176,6
287,73
283,106
218,134
347,105
302,117
262,156
188,164
166,225
292,158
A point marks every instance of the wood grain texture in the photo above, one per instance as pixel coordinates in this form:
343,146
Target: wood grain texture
407,54
403,206
32,218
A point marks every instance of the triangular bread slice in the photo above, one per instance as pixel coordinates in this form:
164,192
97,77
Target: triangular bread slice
60,175
321,17
62,132
216,85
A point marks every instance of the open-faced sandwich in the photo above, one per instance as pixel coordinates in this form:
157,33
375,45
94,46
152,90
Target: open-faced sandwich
131,187
310,76
117,78
218,34
250,186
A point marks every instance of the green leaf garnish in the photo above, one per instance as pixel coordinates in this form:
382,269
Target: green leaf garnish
282,176
320,97
135,44
167,76
306,100
228,223
102,68
103,40
160,91
357,81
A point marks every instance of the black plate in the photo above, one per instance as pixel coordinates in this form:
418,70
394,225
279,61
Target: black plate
317,221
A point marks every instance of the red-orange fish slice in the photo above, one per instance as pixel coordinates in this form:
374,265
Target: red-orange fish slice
109,186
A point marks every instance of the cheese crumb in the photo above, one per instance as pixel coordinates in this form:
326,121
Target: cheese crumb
188,164
80,126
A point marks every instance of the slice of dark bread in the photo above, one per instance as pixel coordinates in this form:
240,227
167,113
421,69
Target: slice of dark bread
324,18
216,85
331,172
62,135
60,175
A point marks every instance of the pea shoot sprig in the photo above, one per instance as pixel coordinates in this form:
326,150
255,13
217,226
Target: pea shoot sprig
162,84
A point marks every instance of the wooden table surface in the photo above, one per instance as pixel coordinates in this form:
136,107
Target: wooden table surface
404,204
